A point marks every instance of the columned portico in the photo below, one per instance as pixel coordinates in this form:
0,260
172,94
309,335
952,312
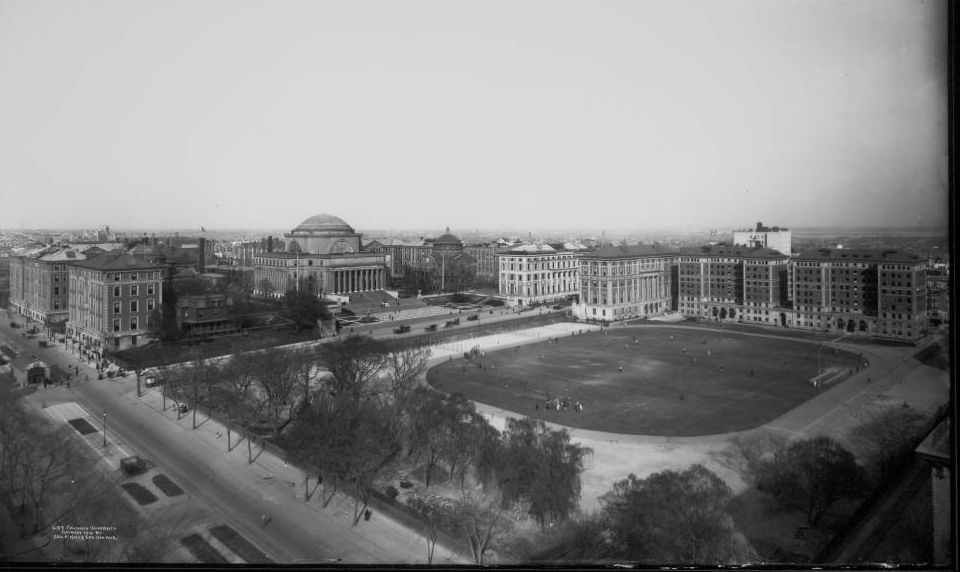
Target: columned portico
347,280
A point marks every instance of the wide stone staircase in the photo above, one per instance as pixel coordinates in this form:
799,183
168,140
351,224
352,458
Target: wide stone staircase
363,303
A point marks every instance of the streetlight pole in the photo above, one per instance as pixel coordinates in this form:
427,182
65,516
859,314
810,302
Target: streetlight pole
819,368
104,428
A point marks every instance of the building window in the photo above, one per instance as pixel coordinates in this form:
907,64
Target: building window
150,305
134,290
116,325
133,323
133,276
133,305
116,307
116,291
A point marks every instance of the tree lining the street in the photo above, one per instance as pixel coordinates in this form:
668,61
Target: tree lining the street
43,473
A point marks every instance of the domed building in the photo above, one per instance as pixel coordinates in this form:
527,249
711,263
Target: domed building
324,255
455,267
324,234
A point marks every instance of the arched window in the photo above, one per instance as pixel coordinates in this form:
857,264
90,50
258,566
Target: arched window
341,247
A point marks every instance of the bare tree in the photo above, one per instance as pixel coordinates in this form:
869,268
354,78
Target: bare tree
432,516
279,379
479,523
355,364
239,401
404,365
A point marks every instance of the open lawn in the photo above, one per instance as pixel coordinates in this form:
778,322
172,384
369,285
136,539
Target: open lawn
674,381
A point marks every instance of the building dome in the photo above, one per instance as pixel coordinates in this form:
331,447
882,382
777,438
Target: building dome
324,223
447,238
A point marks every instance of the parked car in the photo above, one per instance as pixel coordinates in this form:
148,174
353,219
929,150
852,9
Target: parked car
151,381
183,408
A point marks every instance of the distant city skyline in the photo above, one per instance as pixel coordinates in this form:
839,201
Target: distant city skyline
618,116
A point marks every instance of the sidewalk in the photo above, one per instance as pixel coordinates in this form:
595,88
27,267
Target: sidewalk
380,539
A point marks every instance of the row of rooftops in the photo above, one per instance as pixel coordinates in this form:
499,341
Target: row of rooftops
737,251
91,256
95,257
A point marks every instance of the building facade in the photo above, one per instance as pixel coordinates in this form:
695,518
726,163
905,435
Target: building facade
39,284
623,282
881,293
774,238
537,273
205,315
873,293
111,299
485,257
5,260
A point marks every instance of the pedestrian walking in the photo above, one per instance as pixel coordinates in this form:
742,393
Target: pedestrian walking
366,514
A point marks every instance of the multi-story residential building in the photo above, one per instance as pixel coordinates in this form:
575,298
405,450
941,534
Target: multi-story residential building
39,284
765,286
325,257
774,238
535,273
5,279
622,282
882,293
111,299
715,282
877,293
938,295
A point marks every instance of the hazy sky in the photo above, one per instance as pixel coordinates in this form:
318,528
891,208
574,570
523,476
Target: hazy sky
414,114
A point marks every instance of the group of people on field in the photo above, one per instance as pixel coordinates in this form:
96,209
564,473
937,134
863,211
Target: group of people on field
560,404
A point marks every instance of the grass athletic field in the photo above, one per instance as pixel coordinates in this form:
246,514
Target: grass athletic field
674,381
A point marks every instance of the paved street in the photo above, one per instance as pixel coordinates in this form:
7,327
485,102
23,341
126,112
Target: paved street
238,492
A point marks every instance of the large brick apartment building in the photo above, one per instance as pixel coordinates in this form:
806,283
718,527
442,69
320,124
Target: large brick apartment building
732,282
39,284
882,293
111,299
877,293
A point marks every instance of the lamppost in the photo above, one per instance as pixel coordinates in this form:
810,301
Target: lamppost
104,428
819,347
